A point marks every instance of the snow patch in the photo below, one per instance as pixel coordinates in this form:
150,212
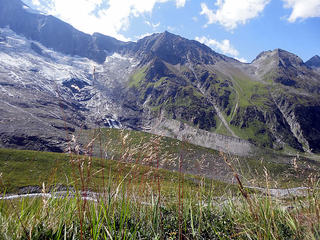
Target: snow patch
117,56
33,11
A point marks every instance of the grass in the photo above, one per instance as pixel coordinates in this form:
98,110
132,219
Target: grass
221,129
213,166
250,92
121,212
21,168
140,200
137,77
255,131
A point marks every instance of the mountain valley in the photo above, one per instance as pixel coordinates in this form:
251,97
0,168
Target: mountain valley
52,85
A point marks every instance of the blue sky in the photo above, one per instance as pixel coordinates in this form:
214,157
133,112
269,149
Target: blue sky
237,28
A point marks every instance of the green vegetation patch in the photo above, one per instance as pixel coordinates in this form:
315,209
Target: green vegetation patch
251,92
138,77
21,168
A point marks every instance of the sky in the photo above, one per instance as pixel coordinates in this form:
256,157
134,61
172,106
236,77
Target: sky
237,28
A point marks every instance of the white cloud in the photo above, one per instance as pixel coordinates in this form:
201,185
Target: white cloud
142,36
302,9
224,46
180,3
153,25
241,60
208,13
171,28
231,13
110,21
36,2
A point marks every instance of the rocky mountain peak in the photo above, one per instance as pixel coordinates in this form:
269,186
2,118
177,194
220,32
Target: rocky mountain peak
287,59
314,62
278,57
175,49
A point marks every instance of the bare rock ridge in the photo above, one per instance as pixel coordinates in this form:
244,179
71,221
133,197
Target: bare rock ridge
314,62
163,83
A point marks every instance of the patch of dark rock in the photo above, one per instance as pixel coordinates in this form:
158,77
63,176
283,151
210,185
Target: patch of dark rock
190,76
35,47
66,128
132,106
35,70
286,81
157,71
309,120
38,189
43,102
72,106
84,96
29,190
246,115
29,142
225,84
204,76
22,105
6,84
223,100
132,123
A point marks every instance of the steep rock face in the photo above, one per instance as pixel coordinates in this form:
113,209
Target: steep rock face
313,62
161,90
309,120
302,121
34,120
281,131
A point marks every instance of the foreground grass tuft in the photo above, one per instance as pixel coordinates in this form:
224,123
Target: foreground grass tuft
132,197
124,218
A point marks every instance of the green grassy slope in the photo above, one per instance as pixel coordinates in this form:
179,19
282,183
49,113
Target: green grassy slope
21,168
199,160
143,151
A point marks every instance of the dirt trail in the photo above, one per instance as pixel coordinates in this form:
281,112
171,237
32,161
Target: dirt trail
94,196
282,192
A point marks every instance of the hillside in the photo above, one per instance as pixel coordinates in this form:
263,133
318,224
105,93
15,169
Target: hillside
128,148
77,196
163,83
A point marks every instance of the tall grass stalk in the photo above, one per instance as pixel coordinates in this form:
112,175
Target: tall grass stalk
138,201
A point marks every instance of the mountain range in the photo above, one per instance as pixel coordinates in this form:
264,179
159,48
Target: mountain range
56,80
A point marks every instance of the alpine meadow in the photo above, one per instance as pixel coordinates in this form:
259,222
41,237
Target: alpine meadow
159,135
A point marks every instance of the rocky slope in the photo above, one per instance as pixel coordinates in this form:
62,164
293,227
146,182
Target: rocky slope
314,63
55,80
